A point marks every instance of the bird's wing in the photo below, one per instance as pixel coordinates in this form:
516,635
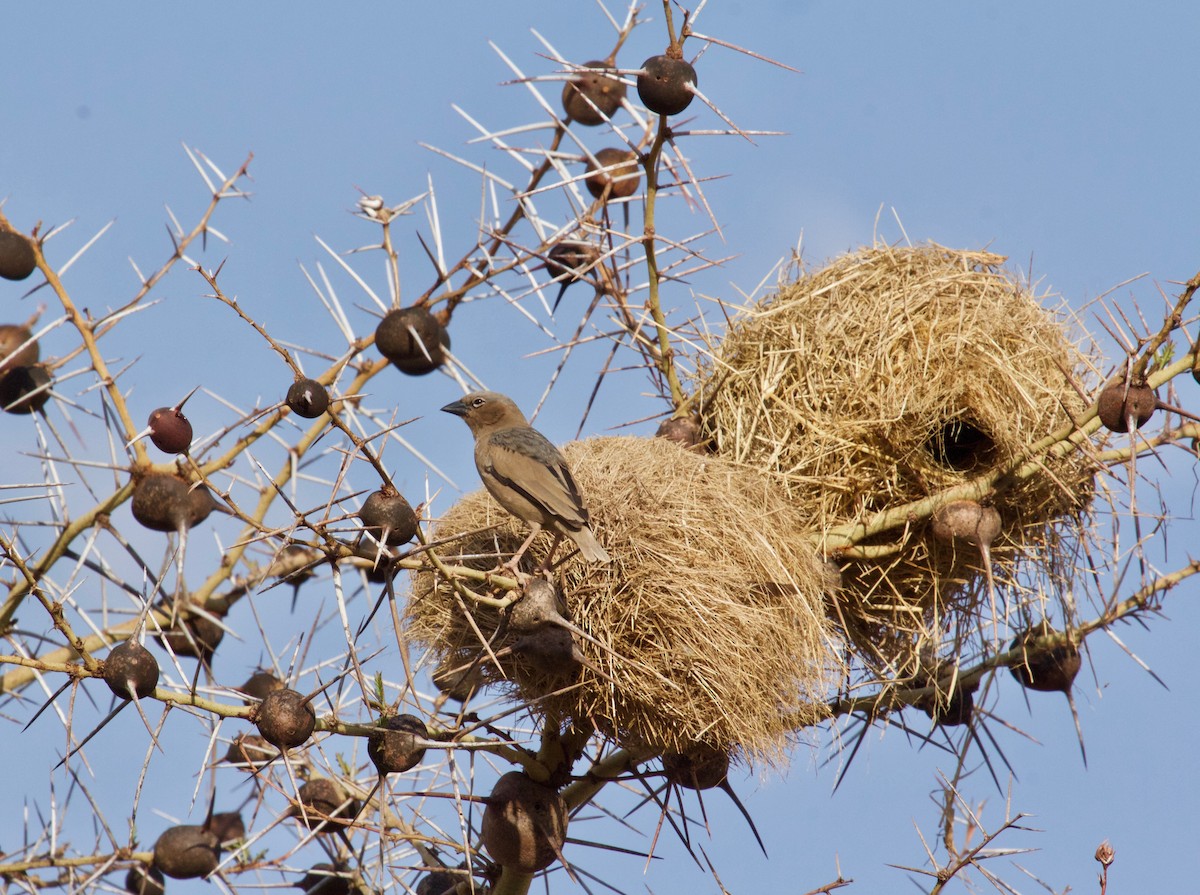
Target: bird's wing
524,459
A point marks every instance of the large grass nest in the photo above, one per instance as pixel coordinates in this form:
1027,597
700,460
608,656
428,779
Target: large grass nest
710,614
887,376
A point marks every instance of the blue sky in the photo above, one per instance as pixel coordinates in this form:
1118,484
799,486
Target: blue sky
1061,135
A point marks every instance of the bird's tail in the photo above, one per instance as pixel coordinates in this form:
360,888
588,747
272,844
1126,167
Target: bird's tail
589,547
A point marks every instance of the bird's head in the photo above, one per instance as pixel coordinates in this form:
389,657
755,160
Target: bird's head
484,411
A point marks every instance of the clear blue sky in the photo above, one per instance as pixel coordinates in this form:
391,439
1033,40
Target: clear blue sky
1062,135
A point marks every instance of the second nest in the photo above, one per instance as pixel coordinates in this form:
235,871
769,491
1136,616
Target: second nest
707,626
886,377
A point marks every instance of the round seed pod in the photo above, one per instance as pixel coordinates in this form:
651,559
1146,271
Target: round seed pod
285,719
701,767
325,879
25,389
951,709
308,398
603,90
550,649
18,348
1049,670
569,257
413,340
170,430
619,182
227,826
524,824
683,430
966,520
166,502
439,882
17,258
144,880
397,749
259,685
1120,404
250,749
664,85
186,852
130,666
389,517
322,799
196,637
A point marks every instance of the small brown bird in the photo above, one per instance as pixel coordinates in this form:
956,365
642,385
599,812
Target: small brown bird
526,474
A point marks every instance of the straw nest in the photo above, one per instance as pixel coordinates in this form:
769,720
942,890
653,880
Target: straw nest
710,619
888,376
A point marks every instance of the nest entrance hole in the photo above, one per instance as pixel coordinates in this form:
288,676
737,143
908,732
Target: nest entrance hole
961,446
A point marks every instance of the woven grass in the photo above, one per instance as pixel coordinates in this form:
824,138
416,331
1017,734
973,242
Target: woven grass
887,376
711,614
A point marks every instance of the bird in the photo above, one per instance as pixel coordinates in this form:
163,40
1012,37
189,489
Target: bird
526,474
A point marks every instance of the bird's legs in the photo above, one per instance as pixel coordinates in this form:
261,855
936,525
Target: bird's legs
513,563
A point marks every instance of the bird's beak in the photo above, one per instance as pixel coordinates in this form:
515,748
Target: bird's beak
458,408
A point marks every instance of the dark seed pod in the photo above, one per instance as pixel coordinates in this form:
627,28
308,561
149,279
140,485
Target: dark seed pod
170,430
604,90
196,637
569,257
250,749
144,880
683,430
130,666
702,766
550,649
227,826
1120,404
25,389
664,85
439,882
525,823
18,348
1047,670
308,398
325,879
389,517
619,182
322,799
186,852
413,340
285,719
17,258
166,502
947,707
397,749
259,685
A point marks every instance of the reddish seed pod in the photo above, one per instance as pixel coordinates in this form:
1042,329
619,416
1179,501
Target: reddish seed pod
320,800
249,749
144,880
621,181
604,91
1051,670
259,685
18,348
17,258
285,719
525,823
170,430
166,502
1121,404
308,398
664,85
194,638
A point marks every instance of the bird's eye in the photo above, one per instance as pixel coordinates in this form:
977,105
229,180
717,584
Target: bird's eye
478,402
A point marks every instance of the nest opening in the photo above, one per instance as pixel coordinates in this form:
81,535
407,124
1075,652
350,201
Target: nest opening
960,445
